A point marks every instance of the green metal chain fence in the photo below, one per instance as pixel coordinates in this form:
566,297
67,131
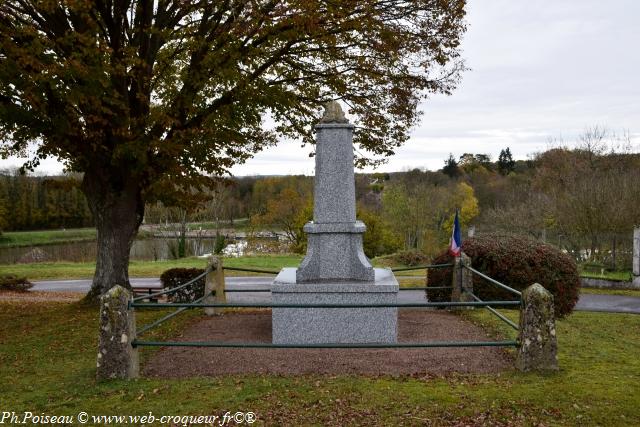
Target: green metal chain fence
136,303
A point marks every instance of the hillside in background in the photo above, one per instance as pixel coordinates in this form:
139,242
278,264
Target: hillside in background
583,200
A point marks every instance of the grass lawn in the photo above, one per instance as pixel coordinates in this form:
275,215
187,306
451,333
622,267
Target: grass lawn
48,237
621,292
45,237
47,363
82,270
623,275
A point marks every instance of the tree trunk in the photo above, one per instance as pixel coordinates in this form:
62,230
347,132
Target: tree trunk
118,213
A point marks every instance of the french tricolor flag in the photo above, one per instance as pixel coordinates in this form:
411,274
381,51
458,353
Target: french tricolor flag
455,247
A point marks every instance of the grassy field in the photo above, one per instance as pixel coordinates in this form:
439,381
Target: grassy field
79,270
621,292
10,239
82,270
47,362
623,275
45,237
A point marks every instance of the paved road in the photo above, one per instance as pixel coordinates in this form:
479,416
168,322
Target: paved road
609,303
587,302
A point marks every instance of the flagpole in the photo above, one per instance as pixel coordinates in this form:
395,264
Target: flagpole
455,244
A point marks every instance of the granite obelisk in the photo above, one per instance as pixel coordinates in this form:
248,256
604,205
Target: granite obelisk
334,236
335,269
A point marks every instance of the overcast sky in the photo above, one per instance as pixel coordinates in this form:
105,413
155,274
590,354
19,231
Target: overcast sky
539,69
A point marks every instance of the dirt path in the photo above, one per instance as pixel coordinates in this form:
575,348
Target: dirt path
413,326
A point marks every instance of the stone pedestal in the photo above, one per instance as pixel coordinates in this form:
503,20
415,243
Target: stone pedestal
334,252
335,325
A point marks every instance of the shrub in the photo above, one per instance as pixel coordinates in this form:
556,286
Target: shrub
379,239
410,258
178,276
219,244
517,262
13,283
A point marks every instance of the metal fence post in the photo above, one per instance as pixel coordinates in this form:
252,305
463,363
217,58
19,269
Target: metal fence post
214,281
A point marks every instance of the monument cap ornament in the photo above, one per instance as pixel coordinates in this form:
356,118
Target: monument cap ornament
333,113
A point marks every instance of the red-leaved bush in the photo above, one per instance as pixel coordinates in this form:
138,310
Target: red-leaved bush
517,262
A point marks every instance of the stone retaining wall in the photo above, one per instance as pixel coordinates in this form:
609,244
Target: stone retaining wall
590,282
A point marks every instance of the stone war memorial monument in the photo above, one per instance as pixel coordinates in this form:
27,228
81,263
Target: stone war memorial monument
335,269
335,298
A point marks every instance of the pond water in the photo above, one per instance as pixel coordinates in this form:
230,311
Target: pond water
144,249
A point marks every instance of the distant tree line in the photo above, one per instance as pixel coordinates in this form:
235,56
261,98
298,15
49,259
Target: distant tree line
583,199
36,203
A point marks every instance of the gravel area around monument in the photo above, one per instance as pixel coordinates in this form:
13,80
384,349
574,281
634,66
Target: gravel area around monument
40,296
413,326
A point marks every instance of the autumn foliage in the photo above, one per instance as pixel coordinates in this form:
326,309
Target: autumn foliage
149,97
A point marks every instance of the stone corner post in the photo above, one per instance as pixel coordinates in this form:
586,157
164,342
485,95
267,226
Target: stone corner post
117,358
462,282
537,341
214,281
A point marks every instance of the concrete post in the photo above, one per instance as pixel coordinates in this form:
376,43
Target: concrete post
462,282
117,358
471,231
636,253
214,281
537,337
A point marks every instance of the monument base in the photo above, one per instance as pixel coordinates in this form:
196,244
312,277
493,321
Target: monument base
335,250
334,325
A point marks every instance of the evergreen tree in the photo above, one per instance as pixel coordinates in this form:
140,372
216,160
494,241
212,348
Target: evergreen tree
451,168
506,164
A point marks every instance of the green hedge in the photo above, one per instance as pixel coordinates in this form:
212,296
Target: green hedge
517,262
410,258
13,283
